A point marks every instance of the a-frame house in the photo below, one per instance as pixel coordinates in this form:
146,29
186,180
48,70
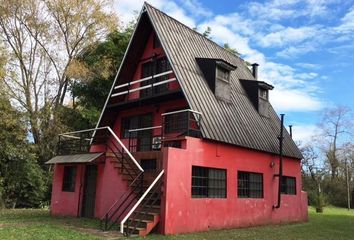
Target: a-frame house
187,141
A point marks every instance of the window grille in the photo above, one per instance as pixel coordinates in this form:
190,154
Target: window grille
208,182
249,185
288,185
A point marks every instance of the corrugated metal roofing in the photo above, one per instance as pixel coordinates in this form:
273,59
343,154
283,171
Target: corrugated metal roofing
236,122
75,158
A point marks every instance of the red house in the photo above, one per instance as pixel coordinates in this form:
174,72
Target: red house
187,141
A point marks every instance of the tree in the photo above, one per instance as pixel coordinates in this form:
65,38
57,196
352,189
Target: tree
232,50
335,129
44,38
21,179
99,65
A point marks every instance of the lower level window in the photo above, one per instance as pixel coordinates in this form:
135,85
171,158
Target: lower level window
148,164
208,182
288,185
69,179
249,185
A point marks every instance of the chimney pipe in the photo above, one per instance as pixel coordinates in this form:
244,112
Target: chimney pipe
291,130
255,70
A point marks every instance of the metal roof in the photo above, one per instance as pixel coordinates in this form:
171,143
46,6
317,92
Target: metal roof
236,122
75,158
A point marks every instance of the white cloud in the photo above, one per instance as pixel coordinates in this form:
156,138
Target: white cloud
287,35
310,66
304,133
347,22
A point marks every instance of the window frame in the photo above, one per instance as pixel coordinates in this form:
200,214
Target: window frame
248,191
69,182
124,131
209,183
285,188
224,71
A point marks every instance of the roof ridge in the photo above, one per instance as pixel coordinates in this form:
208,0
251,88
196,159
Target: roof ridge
196,32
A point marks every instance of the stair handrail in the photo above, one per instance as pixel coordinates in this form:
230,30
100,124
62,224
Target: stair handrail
114,136
140,200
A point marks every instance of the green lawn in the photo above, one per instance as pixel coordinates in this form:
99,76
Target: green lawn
335,224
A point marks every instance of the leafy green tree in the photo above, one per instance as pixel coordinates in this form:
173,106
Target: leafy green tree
22,181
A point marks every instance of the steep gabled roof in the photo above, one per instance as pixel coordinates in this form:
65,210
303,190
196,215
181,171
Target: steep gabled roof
236,122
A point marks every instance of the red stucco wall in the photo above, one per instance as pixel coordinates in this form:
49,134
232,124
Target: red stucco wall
182,213
66,203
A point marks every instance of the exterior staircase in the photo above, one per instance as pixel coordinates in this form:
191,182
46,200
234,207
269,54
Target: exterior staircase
142,218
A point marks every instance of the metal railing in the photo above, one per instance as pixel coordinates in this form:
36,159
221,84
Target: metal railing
147,81
137,204
84,139
184,122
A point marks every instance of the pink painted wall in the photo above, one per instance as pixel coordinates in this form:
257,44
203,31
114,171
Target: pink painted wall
182,213
66,203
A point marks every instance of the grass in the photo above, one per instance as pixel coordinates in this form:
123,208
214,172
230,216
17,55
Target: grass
334,223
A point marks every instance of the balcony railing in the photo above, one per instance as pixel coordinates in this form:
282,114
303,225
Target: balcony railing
145,139
145,86
174,125
182,123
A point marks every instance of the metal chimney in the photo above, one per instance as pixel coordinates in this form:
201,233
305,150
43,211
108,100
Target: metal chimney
255,70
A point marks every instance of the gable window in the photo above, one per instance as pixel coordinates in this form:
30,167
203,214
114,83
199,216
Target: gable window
152,68
288,185
222,74
208,182
134,122
249,185
69,178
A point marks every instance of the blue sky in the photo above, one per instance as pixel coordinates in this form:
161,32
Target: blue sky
305,48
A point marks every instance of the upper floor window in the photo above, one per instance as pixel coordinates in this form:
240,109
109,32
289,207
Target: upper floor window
288,185
151,68
222,74
249,185
208,182
263,93
69,179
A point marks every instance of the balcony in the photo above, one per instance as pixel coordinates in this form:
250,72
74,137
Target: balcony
155,86
175,126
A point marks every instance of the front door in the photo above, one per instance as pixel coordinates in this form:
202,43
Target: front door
89,196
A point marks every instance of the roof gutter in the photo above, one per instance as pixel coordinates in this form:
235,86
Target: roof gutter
280,175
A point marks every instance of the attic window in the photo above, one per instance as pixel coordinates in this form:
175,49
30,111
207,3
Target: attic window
222,74
263,93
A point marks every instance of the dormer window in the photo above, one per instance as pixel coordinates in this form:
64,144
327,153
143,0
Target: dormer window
222,74
263,93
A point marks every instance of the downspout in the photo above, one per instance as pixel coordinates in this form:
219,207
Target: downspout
280,175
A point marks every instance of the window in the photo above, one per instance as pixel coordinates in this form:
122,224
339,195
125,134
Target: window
288,185
263,93
208,182
148,164
222,74
134,122
249,185
69,179
152,68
